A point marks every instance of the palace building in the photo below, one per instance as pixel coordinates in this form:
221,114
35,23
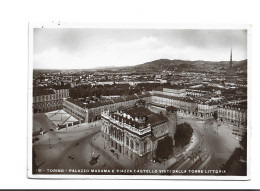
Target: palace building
45,100
207,110
236,115
135,132
185,105
92,111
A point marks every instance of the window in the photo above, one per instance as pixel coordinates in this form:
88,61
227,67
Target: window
137,146
145,147
127,141
132,145
162,131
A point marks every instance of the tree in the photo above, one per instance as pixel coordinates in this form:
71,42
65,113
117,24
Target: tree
164,148
183,134
215,115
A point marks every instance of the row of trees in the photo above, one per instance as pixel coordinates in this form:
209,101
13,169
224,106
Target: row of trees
114,89
98,90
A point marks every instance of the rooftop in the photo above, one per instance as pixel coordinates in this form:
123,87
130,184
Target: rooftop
40,92
171,108
117,100
76,102
175,97
242,105
98,104
151,118
138,112
104,102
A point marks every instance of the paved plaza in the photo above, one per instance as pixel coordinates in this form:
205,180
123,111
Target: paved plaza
55,148
217,142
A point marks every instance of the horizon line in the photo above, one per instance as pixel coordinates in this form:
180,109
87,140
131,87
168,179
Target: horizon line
104,67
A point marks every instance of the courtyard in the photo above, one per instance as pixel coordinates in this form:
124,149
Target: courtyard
60,117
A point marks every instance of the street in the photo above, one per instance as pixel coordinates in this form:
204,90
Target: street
54,146
217,144
72,148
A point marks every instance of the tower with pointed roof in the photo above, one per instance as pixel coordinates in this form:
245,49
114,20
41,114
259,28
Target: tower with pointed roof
230,62
231,71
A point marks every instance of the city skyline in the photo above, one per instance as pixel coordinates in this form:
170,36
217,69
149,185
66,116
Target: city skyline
94,48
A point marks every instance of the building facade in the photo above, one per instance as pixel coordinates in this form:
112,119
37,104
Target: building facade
186,105
207,110
236,115
75,108
174,92
46,100
135,132
195,93
92,112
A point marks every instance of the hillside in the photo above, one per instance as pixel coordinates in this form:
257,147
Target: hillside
180,65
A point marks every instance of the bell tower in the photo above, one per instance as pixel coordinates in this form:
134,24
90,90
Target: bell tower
171,113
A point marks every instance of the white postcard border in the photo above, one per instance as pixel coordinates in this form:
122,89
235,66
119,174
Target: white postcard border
59,24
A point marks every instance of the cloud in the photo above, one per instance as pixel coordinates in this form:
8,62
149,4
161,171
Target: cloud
55,59
85,48
119,53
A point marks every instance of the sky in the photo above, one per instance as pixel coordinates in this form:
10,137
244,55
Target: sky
86,48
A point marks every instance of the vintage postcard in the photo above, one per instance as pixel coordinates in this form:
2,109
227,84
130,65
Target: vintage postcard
138,101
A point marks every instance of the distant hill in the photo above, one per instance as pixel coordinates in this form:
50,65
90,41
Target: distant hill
178,65
162,64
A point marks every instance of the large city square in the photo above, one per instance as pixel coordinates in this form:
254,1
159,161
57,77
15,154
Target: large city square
72,149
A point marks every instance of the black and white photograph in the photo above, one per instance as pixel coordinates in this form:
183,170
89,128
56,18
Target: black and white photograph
132,102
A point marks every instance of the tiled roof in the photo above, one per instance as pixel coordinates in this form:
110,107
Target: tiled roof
171,108
98,104
138,112
118,99
121,108
152,119
127,121
40,92
130,97
105,102
156,119
60,87
141,101
76,102
147,94
174,97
